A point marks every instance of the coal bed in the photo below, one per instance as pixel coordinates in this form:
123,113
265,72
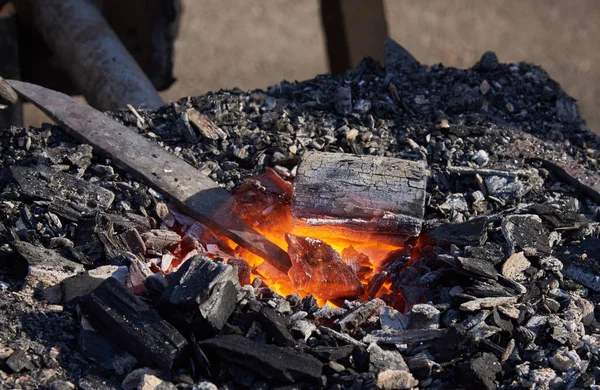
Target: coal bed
441,226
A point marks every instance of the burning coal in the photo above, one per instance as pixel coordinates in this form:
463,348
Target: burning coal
339,246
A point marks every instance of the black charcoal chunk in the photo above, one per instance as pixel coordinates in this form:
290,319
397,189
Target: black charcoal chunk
326,354
42,182
42,265
480,373
19,361
343,100
357,317
473,232
202,294
125,320
527,233
269,361
108,355
478,267
488,62
397,57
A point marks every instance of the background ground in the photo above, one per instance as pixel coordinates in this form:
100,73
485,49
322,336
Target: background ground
235,43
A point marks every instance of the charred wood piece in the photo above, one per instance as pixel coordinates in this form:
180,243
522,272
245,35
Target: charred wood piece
473,232
357,317
318,269
41,182
354,197
202,294
413,336
269,361
526,232
157,240
128,322
41,265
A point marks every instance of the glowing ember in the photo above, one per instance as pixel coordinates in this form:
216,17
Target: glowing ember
319,270
323,264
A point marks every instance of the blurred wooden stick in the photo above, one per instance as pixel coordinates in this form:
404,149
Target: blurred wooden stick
91,53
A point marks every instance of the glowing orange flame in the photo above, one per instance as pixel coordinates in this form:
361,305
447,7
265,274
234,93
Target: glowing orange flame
264,203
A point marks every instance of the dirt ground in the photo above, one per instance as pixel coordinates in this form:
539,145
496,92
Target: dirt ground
233,43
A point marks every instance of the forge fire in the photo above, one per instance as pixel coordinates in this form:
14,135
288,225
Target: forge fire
406,227
345,221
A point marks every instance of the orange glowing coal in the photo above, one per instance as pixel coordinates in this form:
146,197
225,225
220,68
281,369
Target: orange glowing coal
324,265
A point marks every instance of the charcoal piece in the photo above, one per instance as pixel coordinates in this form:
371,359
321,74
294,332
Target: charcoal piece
155,285
43,265
397,57
88,254
202,294
351,321
390,368
391,318
269,361
490,251
326,354
67,210
328,312
478,267
137,273
183,129
341,338
411,336
480,373
158,239
85,282
309,304
95,382
359,197
558,216
204,125
487,288
526,232
19,361
487,63
97,348
125,320
473,232
343,100
359,262
318,269
582,262
507,188
383,359
486,303
129,220
500,321
134,243
42,182
422,365
424,316
85,232
276,326
482,331
244,271
303,329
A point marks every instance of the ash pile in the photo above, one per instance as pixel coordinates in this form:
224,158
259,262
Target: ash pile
499,290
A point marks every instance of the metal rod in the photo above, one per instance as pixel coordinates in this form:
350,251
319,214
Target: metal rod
92,54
